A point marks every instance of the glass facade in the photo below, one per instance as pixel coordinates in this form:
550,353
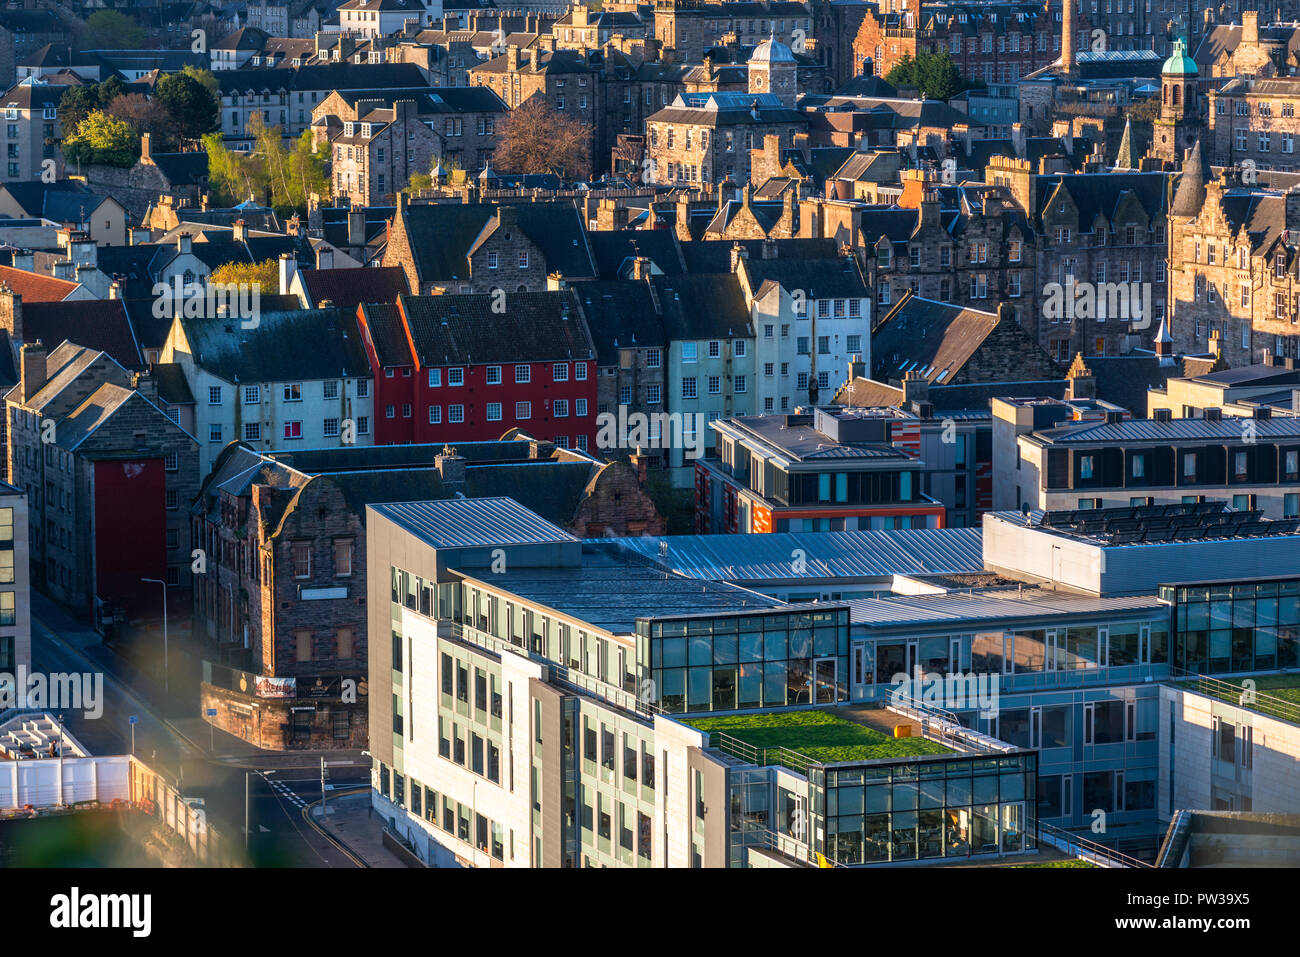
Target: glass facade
1226,627
741,662
925,810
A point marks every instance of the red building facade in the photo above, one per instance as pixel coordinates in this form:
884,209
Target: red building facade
456,369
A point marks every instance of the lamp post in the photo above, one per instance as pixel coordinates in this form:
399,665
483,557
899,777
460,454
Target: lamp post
166,670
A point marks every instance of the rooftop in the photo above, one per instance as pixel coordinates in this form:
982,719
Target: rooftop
611,591
820,736
827,555
1160,523
990,604
466,523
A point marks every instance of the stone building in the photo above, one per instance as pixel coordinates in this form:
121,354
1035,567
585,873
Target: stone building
1179,122
1254,120
688,29
479,248
1234,264
108,474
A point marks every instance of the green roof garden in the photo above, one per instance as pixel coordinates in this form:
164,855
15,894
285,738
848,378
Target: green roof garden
816,736
1277,696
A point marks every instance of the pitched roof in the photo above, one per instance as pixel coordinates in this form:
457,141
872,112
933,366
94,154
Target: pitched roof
64,201
348,288
620,314
467,330
100,324
274,350
933,338
34,287
442,236
703,306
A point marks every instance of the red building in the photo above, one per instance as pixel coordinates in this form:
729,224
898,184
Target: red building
469,368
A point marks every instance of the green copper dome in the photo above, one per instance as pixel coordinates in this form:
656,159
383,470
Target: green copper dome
1179,64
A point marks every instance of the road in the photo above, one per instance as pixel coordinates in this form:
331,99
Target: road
277,794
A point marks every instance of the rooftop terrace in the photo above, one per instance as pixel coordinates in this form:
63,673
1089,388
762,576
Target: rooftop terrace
818,736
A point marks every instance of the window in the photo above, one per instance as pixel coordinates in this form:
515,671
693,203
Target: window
560,372
492,260
739,348
688,351
493,375
653,395
300,553
689,388
343,558
214,395
560,408
456,413
494,411
715,385
252,394
330,428
214,433
523,374
523,410
653,359
580,408
293,430
435,378
740,384
293,392
171,463
331,390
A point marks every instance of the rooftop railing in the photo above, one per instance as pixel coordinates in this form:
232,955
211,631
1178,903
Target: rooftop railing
1244,697
1085,850
943,727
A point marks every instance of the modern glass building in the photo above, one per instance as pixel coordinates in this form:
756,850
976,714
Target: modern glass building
1235,625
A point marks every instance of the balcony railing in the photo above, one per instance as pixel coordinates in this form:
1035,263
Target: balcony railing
1243,697
1085,850
943,727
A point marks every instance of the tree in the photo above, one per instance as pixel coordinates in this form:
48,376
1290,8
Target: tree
79,101
191,105
270,173
266,273
230,176
537,139
418,182
145,116
206,78
103,139
110,30
934,74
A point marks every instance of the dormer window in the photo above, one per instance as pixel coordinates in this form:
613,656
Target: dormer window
349,129
365,130
1279,267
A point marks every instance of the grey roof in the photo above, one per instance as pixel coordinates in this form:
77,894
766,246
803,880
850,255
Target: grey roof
966,608
611,590
828,555
796,437
467,523
1228,428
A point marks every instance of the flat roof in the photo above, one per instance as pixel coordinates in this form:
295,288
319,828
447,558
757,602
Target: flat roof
793,556
612,590
473,522
802,441
966,608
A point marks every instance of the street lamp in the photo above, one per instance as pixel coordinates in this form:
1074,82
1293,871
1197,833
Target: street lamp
166,671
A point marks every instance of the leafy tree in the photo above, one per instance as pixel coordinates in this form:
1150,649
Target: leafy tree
110,30
79,101
537,139
102,139
206,78
271,172
934,74
267,273
418,182
191,105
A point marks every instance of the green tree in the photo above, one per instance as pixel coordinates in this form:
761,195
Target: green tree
230,174
418,182
285,177
192,107
266,273
102,139
934,74
110,30
206,78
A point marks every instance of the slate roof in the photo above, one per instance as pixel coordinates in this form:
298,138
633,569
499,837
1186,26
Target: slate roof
65,201
1102,193
837,277
442,235
100,324
182,169
933,338
387,334
615,249
172,387
619,314
465,330
470,522
715,110
33,94
703,306
348,288
714,255
284,346
325,76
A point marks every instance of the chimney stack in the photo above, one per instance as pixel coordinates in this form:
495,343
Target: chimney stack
288,269
33,368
